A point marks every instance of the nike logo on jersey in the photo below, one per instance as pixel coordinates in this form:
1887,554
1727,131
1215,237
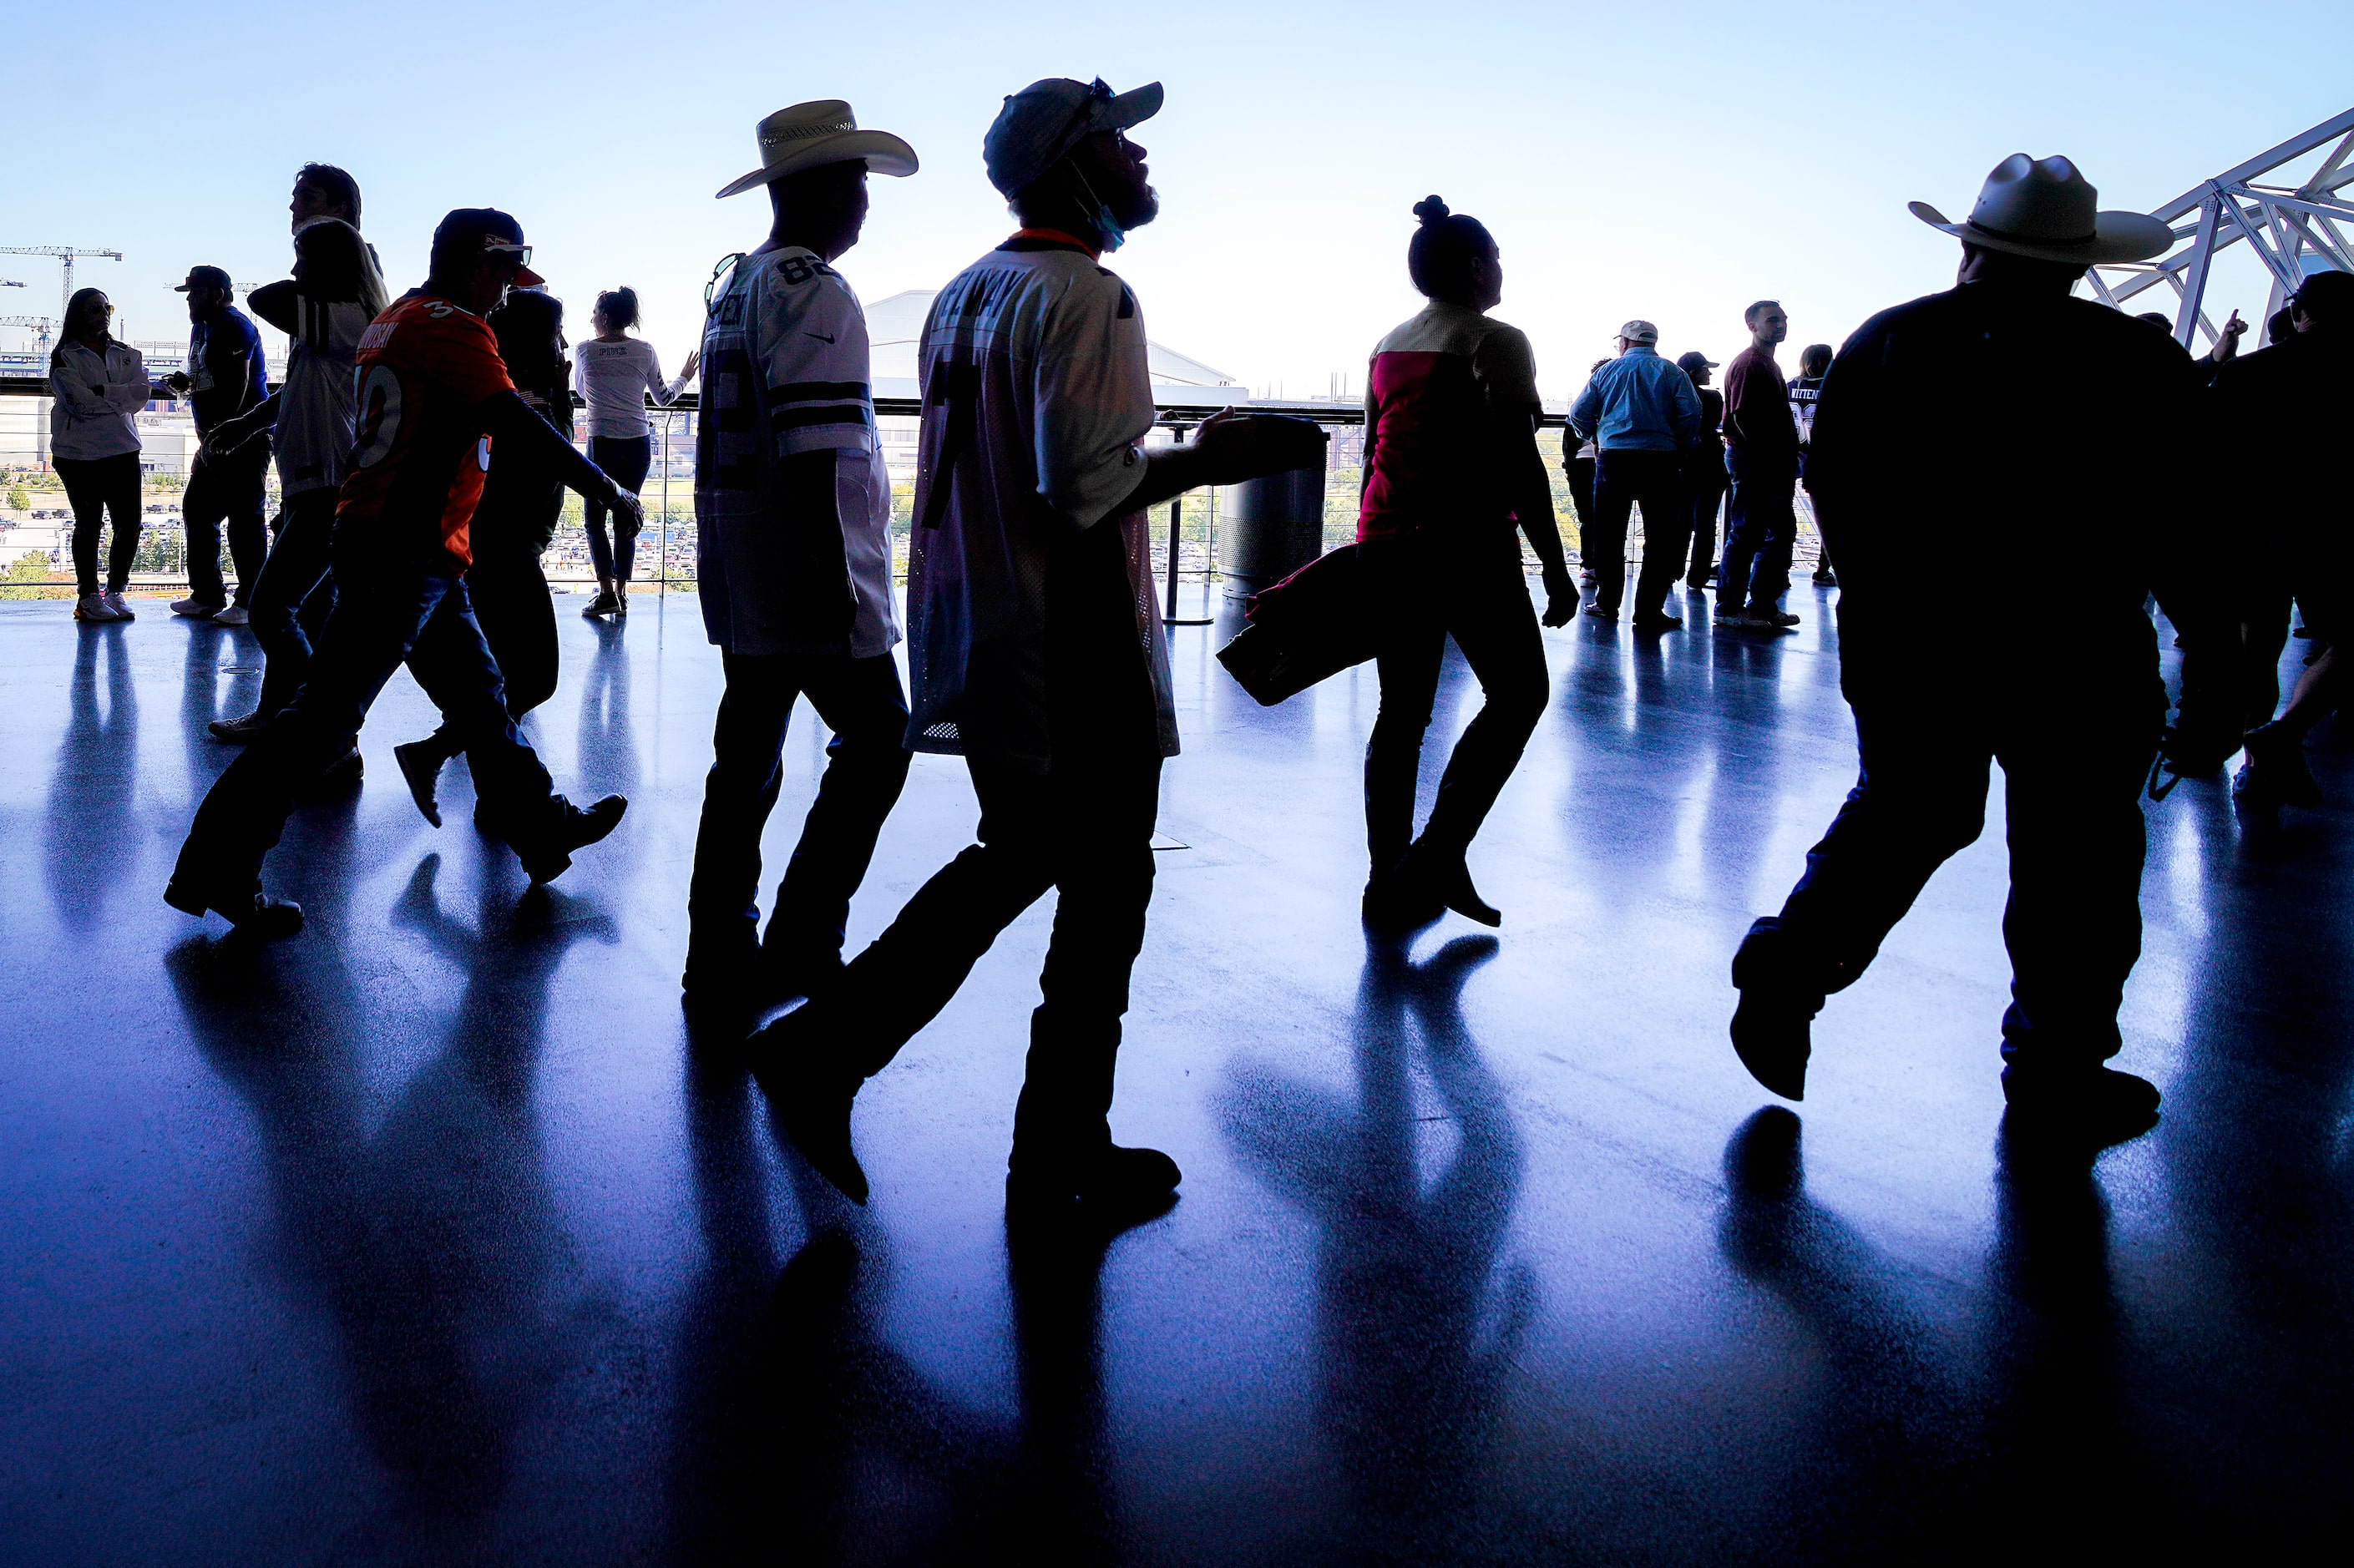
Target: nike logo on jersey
822,337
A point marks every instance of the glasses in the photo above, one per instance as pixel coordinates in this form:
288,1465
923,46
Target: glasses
712,290
515,248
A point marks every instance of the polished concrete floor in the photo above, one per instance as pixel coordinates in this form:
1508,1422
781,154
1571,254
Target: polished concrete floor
425,1238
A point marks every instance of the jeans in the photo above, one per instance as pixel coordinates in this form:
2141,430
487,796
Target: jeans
1479,596
1708,487
1657,479
625,460
1085,829
226,488
1581,497
294,595
866,765
390,608
95,486
2074,765
1761,521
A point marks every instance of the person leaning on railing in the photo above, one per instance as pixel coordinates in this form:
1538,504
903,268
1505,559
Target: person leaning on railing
100,385
615,374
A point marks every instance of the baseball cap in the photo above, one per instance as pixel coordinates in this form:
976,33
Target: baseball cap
1640,332
1047,119
205,278
485,229
1695,360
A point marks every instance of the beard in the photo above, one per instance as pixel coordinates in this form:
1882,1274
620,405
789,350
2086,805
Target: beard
1136,207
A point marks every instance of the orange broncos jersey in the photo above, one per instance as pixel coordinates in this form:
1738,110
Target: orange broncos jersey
419,453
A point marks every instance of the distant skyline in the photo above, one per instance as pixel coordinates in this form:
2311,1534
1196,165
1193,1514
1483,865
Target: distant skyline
1667,163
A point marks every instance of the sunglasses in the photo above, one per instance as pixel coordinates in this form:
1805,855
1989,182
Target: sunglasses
510,247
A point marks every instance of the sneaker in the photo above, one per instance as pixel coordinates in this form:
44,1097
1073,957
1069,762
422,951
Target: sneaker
194,609
1773,1026
603,604
547,855
621,605
1602,612
234,615
1826,578
811,1096
420,764
121,606
2275,773
1770,617
238,731
1659,621
1730,614
93,607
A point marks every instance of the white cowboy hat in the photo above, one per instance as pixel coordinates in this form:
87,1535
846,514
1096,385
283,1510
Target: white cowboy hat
825,131
2046,209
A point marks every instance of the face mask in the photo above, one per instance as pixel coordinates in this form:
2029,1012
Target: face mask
1114,233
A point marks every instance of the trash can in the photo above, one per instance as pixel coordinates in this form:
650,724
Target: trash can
1269,528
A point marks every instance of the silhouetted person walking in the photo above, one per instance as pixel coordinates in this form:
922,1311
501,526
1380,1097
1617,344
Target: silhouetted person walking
323,309
523,500
1037,656
1644,415
2283,412
1924,431
431,388
1704,469
1451,461
1762,457
792,509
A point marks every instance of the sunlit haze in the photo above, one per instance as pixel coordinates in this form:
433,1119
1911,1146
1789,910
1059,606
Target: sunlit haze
1667,161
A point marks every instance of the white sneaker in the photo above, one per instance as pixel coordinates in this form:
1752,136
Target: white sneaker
115,602
93,607
233,616
194,609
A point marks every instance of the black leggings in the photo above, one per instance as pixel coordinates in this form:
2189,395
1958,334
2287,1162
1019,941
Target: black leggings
1475,592
625,460
96,484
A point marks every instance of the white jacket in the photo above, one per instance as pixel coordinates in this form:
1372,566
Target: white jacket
98,400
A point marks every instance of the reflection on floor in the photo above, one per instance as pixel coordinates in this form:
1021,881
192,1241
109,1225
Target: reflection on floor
425,1238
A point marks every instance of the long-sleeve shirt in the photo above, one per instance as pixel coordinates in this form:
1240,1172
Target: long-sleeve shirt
614,378
1639,402
1757,420
99,397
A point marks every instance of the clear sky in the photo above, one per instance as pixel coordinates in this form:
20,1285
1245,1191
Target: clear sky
1666,160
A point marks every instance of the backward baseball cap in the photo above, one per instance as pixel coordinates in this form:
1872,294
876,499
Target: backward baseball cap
1046,119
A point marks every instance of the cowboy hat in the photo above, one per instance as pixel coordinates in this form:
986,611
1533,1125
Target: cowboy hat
825,131
2045,208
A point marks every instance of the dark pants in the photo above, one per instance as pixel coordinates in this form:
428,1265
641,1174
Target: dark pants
93,486
1580,497
294,595
1761,521
388,609
1708,487
1621,480
227,489
1480,598
512,605
866,765
625,461
2073,766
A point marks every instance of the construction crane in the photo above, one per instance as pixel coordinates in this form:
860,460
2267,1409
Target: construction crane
65,255
42,327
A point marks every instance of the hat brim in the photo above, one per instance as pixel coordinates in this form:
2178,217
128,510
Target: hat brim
1128,110
526,278
883,152
2116,237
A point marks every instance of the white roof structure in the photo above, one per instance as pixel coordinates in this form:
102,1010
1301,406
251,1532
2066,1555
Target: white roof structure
2291,223
894,327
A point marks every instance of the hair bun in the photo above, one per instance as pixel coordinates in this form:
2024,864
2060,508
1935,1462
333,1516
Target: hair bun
1430,210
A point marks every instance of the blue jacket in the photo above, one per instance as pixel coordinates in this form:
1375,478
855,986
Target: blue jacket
1639,402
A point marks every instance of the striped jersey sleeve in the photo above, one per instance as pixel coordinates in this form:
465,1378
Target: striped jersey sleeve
811,344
